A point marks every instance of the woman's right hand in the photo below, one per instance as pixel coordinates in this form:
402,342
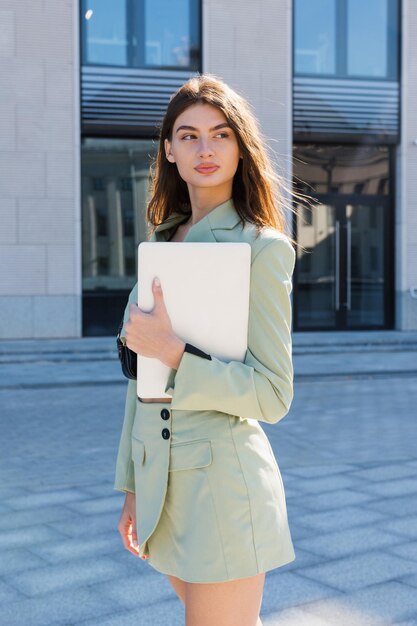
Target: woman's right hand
127,524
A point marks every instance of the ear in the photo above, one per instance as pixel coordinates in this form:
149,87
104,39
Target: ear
168,154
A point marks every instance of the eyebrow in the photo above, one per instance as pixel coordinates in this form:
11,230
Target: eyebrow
184,127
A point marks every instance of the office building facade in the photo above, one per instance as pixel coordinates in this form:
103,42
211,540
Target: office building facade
87,83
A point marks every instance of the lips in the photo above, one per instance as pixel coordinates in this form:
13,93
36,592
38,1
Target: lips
207,168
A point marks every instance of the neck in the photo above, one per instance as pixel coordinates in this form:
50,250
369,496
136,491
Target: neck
197,213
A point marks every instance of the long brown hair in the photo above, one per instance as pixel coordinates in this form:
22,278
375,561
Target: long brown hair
257,191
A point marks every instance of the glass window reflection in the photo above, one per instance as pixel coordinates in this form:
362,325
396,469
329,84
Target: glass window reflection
315,30
105,28
141,33
346,38
115,186
167,29
359,169
367,38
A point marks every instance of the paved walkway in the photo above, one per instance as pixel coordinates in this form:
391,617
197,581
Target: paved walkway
347,452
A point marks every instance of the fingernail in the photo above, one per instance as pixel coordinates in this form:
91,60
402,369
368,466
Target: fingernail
135,543
157,282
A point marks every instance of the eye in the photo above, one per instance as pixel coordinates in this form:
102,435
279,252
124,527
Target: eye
184,137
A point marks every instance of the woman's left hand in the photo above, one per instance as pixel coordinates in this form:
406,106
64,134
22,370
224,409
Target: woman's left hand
150,334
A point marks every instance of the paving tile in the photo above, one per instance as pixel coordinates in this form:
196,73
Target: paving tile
292,492
388,602
385,471
8,593
87,524
46,498
99,489
18,560
387,488
168,613
327,469
406,526
397,507
409,580
327,483
133,591
298,531
349,541
295,511
302,559
27,536
292,617
66,575
353,572
30,517
11,491
332,499
74,548
286,589
131,563
407,549
346,517
97,505
66,607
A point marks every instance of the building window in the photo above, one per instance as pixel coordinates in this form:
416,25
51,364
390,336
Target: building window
341,169
367,38
105,30
315,36
115,178
141,33
346,38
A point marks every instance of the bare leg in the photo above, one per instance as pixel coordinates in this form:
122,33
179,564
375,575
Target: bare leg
232,603
178,586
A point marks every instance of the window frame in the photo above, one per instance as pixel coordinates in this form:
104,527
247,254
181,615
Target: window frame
393,36
135,54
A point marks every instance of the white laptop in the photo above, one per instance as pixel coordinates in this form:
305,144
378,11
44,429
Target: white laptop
206,289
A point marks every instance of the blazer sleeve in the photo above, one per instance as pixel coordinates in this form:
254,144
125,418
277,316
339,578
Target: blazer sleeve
260,387
124,477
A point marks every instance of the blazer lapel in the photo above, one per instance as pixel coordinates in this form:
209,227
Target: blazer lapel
224,216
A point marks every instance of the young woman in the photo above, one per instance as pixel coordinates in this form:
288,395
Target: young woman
205,502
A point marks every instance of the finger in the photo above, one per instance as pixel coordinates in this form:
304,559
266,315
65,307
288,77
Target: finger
134,535
132,543
125,530
157,289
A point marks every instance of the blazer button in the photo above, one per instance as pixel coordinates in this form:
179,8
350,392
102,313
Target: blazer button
165,433
165,414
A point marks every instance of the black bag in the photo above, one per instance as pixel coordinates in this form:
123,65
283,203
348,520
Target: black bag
128,358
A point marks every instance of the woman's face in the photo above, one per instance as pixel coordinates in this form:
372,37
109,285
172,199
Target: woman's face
196,141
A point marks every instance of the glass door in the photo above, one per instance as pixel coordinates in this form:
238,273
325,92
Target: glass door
364,284
342,276
316,291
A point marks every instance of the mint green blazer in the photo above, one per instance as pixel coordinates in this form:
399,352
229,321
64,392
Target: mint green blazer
216,413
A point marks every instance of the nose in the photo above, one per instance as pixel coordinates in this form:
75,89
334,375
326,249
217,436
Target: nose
204,148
